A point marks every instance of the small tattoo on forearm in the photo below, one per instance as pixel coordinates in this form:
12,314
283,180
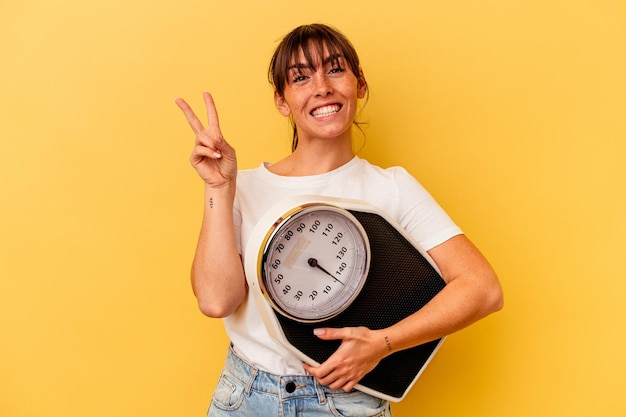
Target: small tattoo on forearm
388,343
211,202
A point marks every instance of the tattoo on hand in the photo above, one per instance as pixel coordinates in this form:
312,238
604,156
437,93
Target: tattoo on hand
211,202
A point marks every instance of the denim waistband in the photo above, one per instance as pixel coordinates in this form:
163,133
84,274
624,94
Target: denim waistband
284,386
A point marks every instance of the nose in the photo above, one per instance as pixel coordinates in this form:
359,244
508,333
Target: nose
323,86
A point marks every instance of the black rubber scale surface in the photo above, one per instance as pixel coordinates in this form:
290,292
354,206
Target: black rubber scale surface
400,282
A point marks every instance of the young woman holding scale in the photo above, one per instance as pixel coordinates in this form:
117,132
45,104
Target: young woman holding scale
318,83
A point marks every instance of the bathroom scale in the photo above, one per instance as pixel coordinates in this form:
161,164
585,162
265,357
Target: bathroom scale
316,261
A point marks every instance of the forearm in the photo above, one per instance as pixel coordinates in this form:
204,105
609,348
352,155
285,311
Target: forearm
471,293
452,310
217,274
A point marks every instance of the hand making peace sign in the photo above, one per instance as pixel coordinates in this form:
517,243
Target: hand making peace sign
212,157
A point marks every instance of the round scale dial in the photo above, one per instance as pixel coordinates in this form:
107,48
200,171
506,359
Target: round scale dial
315,262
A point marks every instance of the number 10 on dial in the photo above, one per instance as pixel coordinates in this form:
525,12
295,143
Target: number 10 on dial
315,262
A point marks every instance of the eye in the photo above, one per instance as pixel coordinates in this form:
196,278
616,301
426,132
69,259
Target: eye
336,69
298,74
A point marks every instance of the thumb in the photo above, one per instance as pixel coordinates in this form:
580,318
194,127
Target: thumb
223,146
328,333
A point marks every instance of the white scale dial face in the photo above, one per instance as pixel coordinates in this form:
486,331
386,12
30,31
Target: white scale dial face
315,263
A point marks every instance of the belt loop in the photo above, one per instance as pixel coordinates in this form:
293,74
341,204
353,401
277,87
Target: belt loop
253,374
321,395
248,369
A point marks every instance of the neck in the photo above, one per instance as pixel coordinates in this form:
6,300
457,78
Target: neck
314,158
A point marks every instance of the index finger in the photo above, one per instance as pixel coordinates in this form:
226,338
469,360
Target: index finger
192,119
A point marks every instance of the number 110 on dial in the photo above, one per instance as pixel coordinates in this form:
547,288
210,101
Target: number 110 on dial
315,262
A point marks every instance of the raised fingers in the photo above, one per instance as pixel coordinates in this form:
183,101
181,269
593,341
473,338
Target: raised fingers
192,119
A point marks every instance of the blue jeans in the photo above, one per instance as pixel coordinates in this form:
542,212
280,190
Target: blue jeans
244,390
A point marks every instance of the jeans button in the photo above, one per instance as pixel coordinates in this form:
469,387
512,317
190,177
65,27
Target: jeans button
290,387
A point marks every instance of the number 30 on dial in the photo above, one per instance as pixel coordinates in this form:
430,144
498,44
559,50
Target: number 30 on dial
314,263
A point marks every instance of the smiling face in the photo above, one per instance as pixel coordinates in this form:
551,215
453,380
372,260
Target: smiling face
317,79
321,94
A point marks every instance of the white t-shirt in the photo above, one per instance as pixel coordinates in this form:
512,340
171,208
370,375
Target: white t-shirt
394,191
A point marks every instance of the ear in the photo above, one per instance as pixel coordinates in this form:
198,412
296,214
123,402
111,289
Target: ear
361,84
281,104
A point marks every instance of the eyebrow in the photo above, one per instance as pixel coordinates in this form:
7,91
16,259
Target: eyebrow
325,61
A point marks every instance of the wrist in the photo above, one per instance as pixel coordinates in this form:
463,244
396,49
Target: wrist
385,342
216,197
225,190
388,344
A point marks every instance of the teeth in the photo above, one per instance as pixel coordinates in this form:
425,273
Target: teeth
326,110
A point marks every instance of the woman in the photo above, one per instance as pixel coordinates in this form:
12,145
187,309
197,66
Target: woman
318,83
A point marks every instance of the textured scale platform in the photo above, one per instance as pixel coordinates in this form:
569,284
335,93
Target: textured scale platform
400,282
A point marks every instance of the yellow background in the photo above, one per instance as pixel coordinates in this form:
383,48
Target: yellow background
512,113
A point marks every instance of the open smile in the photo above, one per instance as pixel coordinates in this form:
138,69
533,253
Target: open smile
326,110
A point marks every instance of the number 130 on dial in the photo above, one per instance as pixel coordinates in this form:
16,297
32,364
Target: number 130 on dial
315,262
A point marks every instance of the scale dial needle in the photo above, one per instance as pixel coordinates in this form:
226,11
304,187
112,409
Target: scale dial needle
313,263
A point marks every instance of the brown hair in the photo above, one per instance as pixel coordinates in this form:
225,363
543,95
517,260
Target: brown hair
309,39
